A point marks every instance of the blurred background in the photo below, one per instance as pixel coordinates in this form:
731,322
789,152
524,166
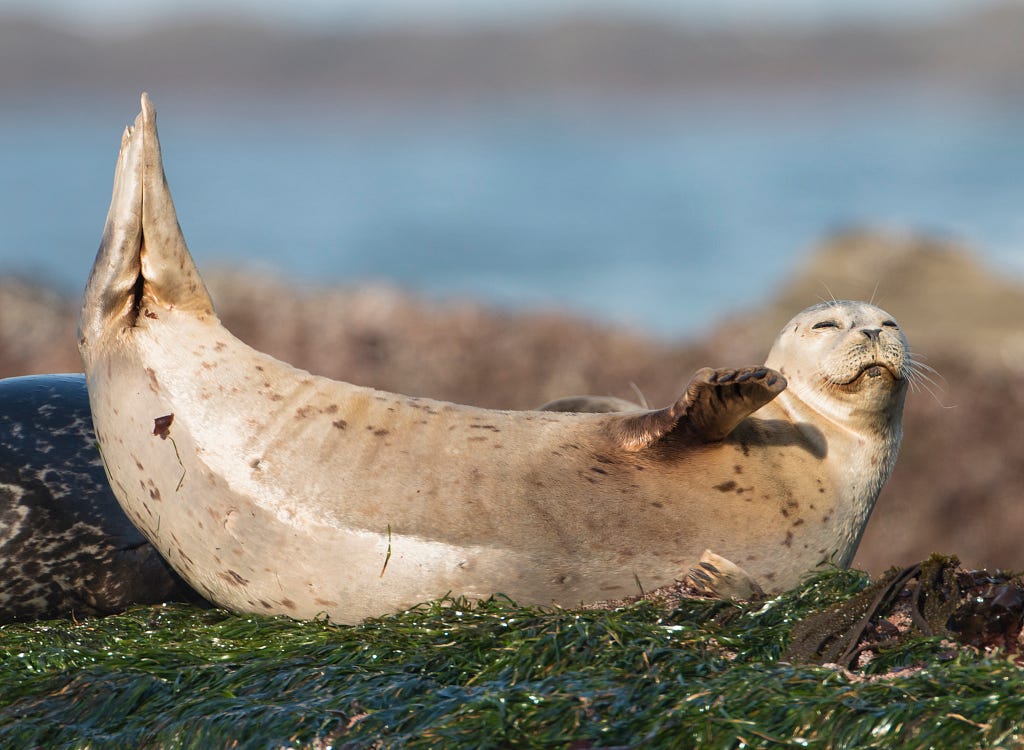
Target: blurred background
502,203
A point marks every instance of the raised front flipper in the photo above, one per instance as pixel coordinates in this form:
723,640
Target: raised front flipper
714,402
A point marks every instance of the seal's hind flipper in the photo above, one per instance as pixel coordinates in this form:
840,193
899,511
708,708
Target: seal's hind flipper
143,258
715,401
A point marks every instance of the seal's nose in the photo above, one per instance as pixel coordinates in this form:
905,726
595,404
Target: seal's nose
871,333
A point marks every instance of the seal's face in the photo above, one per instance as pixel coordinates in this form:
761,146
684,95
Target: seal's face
850,351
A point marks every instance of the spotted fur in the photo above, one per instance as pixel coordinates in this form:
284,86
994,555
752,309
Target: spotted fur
66,547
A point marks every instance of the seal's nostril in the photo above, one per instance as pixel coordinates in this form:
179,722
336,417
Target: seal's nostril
871,333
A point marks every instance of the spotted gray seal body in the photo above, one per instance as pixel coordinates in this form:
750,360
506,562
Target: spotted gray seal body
66,547
272,490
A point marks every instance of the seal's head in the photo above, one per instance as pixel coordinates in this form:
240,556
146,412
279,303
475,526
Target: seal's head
844,357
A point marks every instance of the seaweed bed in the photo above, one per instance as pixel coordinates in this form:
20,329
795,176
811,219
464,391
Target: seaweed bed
931,651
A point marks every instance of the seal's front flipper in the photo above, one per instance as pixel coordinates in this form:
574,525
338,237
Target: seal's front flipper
717,576
715,401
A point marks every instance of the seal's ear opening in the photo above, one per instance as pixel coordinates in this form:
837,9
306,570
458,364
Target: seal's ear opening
714,402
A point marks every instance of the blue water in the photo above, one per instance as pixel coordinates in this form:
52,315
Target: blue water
661,219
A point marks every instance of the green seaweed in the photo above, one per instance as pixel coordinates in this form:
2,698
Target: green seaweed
493,674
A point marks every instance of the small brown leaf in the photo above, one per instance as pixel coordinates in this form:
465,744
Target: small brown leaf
162,426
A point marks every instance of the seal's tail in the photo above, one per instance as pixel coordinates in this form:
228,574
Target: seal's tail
143,255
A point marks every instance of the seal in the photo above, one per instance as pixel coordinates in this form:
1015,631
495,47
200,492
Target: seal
273,490
66,547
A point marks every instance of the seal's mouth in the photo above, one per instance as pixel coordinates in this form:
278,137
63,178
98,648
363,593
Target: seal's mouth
876,371
871,372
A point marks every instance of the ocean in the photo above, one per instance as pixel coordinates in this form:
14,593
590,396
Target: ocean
659,218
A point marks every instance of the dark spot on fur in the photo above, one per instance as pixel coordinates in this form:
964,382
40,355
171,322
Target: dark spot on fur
219,346
162,426
265,605
657,505
789,539
598,470
638,467
341,424
484,427
738,469
304,411
325,602
288,603
329,409
725,486
477,439
154,493
798,522
255,463
150,314
821,490
233,578
381,432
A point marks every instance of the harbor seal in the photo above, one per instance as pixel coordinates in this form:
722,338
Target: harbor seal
66,547
273,490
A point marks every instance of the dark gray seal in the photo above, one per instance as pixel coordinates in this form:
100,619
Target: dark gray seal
66,547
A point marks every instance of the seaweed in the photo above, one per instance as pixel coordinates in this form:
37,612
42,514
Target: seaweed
679,672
